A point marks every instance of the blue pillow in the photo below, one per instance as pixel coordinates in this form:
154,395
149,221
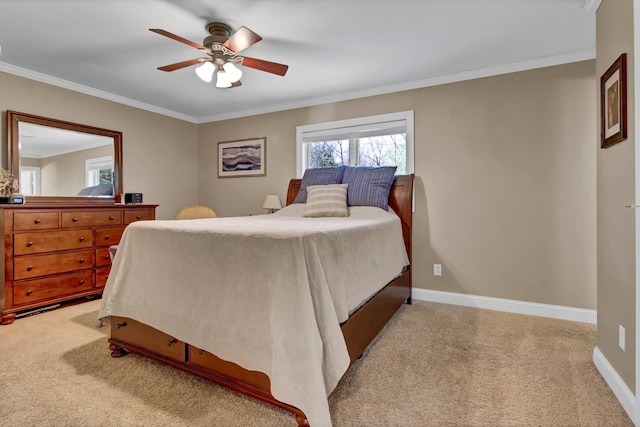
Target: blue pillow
318,176
369,186
97,190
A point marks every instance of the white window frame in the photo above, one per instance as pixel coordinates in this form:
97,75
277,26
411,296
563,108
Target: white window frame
344,129
92,166
34,171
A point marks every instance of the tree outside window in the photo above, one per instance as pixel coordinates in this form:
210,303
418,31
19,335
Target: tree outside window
375,151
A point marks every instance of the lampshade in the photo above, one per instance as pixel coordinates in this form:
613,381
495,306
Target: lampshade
205,71
233,73
222,79
272,202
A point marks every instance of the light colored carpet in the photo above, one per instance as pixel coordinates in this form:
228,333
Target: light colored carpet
432,365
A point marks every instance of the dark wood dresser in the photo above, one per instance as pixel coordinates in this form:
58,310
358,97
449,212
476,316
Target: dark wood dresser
54,253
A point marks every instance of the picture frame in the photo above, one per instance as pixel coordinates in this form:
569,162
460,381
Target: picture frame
613,103
246,157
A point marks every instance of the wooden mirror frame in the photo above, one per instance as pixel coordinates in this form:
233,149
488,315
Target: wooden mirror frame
14,119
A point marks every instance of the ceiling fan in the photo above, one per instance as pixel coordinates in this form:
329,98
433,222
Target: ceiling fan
222,48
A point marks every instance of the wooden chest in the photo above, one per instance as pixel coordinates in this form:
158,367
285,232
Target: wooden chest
59,253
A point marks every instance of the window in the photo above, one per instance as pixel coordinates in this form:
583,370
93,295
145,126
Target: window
30,180
99,171
384,140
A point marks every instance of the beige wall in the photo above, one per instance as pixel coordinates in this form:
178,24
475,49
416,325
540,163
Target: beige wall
65,175
505,179
616,188
159,152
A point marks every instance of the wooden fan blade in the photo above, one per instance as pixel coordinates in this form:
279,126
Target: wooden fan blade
178,65
177,38
262,65
241,39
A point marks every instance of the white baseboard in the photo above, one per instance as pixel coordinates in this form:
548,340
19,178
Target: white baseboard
511,306
616,384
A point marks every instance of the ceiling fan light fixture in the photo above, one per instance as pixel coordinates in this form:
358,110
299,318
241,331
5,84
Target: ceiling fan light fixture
205,71
223,79
233,73
221,48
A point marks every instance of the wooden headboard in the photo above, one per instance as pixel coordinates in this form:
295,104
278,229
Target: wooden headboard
400,200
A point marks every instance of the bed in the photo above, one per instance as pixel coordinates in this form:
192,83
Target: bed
280,331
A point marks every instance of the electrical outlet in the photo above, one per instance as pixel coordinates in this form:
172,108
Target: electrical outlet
437,269
621,336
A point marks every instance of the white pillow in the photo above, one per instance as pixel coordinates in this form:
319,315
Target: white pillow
326,200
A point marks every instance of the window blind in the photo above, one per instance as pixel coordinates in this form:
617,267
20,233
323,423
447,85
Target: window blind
358,131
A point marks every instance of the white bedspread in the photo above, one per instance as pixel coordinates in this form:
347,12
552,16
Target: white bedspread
267,292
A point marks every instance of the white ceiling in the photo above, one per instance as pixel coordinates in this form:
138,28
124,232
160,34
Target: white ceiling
335,49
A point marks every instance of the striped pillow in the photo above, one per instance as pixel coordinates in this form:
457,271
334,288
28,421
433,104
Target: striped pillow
318,176
369,186
326,200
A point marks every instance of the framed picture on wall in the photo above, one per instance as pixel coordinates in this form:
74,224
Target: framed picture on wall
613,103
247,157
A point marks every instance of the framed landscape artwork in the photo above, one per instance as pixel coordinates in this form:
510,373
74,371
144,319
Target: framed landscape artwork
613,103
246,157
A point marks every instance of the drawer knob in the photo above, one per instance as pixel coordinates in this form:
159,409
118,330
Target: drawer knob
121,325
172,342
37,221
29,244
107,256
106,237
29,292
81,282
30,268
138,216
112,217
82,238
75,219
81,260
200,351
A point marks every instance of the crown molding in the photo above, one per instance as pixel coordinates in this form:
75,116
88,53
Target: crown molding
65,84
382,90
417,84
592,5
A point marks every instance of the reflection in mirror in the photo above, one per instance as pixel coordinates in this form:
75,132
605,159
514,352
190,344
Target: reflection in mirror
61,162
57,159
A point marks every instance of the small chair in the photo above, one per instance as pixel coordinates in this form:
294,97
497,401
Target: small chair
196,212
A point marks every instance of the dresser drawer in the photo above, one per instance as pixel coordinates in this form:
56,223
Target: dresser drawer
103,257
41,265
33,243
40,289
91,219
108,236
138,215
130,331
35,220
102,274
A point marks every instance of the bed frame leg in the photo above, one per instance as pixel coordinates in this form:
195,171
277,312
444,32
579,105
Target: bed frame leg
117,351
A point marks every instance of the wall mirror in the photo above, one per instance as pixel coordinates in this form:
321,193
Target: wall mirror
63,162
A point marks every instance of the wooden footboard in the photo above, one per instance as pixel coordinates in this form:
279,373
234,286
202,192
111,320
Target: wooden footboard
359,330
